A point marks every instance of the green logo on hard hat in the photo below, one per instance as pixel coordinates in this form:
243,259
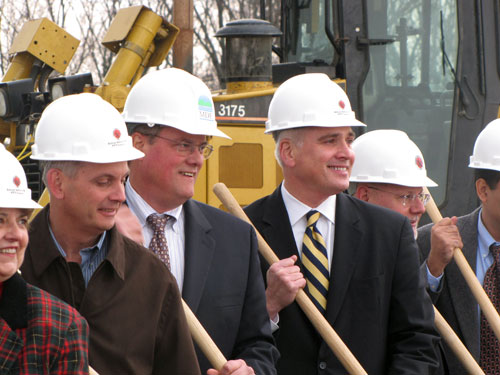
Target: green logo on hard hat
206,108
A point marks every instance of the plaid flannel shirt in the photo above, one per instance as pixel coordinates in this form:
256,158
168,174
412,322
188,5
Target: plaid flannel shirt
40,334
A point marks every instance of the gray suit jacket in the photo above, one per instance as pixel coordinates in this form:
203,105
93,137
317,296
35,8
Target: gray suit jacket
454,299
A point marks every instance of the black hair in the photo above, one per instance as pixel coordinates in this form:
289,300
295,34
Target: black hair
490,176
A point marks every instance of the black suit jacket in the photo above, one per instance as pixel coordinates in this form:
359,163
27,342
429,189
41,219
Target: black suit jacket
377,301
224,288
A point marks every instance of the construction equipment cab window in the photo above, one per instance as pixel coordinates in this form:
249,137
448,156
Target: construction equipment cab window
410,83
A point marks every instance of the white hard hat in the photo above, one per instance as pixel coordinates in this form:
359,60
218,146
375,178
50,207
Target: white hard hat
389,156
14,192
310,100
486,154
175,98
83,127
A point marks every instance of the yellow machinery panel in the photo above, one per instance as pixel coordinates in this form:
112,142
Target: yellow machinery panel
47,42
246,164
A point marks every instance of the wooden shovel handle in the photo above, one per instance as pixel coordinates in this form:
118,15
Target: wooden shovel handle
477,290
203,340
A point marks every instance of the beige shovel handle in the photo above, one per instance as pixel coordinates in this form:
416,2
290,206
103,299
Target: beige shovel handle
477,290
317,319
204,341
455,344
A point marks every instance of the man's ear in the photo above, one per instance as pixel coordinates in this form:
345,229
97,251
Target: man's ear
56,183
482,189
139,140
363,193
287,152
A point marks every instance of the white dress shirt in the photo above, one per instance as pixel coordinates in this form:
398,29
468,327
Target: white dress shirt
174,230
297,212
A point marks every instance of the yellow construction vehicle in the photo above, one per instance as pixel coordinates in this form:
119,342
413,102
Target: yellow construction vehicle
419,66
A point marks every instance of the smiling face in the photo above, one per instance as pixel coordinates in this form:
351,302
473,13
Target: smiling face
389,196
165,178
13,240
91,198
318,164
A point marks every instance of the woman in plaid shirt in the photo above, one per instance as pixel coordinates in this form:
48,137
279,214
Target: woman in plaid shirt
39,334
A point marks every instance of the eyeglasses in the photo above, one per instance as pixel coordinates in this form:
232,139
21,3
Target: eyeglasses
187,148
407,198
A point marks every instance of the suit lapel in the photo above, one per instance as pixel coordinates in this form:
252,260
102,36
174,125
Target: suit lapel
346,245
276,228
460,294
199,251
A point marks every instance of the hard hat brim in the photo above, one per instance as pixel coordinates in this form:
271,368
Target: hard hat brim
417,182
333,124
94,157
19,203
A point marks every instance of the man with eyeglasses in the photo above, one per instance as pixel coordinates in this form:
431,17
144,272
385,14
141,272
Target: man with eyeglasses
390,172
212,254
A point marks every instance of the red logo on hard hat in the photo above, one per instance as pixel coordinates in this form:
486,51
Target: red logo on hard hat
341,104
419,162
117,133
17,181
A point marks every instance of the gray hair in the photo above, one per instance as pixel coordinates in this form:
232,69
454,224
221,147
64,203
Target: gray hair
69,168
295,135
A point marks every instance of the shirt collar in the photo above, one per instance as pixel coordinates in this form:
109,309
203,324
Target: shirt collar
297,210
99,244
484,237
142,209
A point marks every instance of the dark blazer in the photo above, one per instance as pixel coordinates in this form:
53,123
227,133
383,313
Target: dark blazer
454,300
377,301
224,288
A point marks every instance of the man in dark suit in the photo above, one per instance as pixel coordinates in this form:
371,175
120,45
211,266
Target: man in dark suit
375,298
212,254
480,232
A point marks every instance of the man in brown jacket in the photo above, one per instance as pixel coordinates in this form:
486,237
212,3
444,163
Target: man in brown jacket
128,296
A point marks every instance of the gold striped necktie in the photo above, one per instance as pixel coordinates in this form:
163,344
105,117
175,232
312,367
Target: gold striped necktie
315,261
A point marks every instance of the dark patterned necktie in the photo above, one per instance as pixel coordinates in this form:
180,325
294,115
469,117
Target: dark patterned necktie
490,347
315,261
158,243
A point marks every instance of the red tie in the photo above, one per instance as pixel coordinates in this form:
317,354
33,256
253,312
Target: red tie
158,243
490,347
